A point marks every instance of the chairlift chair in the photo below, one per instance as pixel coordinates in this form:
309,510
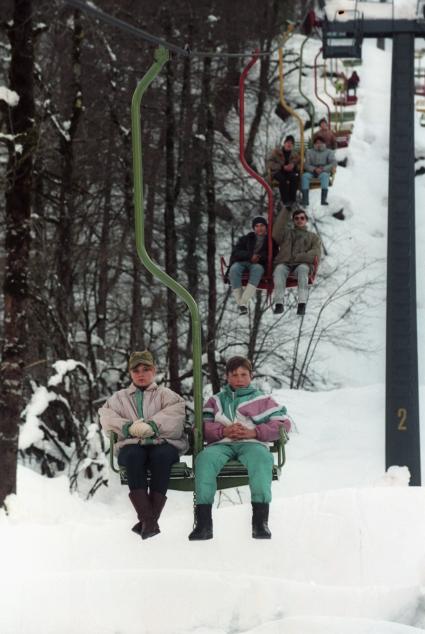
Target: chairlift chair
233,474
339,42
345,100
267,283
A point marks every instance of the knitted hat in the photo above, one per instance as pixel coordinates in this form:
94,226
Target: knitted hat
144,357
289,138
259,220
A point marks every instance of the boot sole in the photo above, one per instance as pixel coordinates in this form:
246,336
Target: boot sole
261,536
150,534
199,539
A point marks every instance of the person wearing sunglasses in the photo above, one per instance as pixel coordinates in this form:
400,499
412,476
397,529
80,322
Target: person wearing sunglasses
298,247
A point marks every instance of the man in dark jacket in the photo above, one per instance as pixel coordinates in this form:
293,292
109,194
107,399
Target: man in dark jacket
250,253
298,249
283,165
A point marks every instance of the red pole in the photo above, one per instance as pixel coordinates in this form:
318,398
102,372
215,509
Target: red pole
248,168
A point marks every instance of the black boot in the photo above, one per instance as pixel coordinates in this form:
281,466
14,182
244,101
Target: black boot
141,502
204,526
260,516
324,197
301,308
305,197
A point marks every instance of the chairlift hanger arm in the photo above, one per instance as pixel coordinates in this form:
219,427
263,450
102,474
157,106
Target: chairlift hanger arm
244,162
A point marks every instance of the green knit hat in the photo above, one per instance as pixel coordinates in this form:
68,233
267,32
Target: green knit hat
144,357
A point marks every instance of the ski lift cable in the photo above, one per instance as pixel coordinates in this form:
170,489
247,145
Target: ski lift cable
185,51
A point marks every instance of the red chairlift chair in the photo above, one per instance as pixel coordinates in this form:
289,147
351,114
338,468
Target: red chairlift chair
266,282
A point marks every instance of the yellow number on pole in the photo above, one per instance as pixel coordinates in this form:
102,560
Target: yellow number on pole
402,414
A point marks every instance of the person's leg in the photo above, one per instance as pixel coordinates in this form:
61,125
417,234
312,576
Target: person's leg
324,184
161,458
235,277
281,180
293,180
280,275
301,272
207,466
305,187
134,459
255,274
259,461
235,274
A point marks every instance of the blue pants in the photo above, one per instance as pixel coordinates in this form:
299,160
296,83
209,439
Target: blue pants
235,273
157,458
308,176
256,458
280,274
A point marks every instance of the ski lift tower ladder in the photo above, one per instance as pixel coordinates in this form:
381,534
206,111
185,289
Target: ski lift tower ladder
342,37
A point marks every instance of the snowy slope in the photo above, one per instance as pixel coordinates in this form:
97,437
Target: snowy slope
347,552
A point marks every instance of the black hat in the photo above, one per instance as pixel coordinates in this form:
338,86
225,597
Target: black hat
289,138
259,220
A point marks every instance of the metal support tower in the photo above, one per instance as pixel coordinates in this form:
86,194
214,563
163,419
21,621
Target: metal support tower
402,400
402,431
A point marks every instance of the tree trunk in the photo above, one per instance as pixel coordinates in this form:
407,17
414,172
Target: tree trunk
64,253
17,243
104,256
170,234
211,231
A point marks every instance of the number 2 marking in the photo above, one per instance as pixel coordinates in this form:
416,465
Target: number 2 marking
402,414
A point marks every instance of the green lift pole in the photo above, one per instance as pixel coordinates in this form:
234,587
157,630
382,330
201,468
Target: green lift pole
161,58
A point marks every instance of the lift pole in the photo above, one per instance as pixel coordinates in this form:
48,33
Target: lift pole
402,398
402,431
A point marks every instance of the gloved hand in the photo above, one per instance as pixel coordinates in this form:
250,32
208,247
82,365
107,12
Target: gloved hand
140,429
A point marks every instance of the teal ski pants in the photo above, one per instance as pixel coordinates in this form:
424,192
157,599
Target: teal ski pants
256,458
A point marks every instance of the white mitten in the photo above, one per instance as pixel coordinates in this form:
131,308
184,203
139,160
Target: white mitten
140,429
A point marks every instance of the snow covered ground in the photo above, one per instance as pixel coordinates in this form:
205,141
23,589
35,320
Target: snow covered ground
348,548
347,553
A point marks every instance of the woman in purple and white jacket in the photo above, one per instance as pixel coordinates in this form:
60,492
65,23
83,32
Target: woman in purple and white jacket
239,423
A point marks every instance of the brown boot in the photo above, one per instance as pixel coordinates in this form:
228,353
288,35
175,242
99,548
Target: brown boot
158,501
141,502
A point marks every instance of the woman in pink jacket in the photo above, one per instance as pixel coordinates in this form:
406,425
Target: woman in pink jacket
149,421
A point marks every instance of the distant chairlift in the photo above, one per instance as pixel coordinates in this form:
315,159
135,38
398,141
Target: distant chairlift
266,282
342,43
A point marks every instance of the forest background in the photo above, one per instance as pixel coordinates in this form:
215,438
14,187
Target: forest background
75,296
